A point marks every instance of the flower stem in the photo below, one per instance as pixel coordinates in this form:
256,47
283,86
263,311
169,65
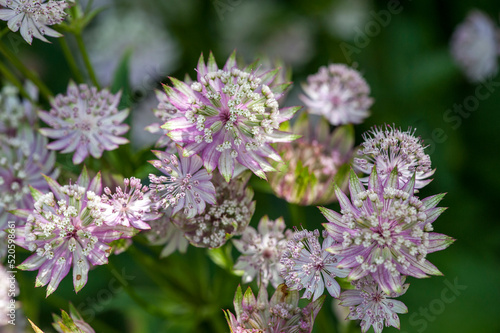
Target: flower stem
13,79
30,75
86,59
71,61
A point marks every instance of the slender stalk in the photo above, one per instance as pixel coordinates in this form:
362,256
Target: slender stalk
13,79
71,61
33,77
297,215
86,59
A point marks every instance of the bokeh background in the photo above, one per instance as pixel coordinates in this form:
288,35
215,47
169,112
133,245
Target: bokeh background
414,81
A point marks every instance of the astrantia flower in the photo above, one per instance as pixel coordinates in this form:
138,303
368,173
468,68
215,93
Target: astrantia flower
33,17
372,306
165,232
338,93
475,45
130,207
312,162
386,231
85,121
64,324
281,314
23,160
164,112
308,265
230,116
229,216
261,251
390,147
66,228
186,187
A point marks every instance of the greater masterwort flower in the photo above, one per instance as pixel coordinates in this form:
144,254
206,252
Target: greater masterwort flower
187,186
16,111
385,231
66,322
308,265
66,228
85,121
261,251
390,147
130,207
281,314
230,117
372,306
33,17
229,216
313,162
165,232
475,45
338,93
23,160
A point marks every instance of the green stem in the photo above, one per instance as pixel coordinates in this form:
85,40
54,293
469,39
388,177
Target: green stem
33,77
147,306
12,78
86,59
71,61
297,215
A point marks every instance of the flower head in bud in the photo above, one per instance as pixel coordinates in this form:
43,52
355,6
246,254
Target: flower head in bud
23,160
229,117
130,207
338,93
372,306
185,187
390,147
384,231
261,251
475,45
66,229
85,121
74,318
281,314
229,216
33,17
307,264
312,163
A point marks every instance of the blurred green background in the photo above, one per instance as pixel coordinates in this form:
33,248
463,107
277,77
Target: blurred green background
414,81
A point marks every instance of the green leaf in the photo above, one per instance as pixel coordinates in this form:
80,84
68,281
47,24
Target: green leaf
35,328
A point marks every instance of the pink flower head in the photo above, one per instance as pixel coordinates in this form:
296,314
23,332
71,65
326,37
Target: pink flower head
261,251
66,229
307,264
390,148
33,17
85,121
230,117
165,232
281,314
372,306
338,93
187,186
130,207
385,231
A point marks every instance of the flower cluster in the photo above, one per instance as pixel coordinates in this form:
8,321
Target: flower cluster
85,121
229,216
67,229
33,17
475,46
311,163
368,303
187,186
280,314
261,251
385,231
229,117
338,93
307,264
389,148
